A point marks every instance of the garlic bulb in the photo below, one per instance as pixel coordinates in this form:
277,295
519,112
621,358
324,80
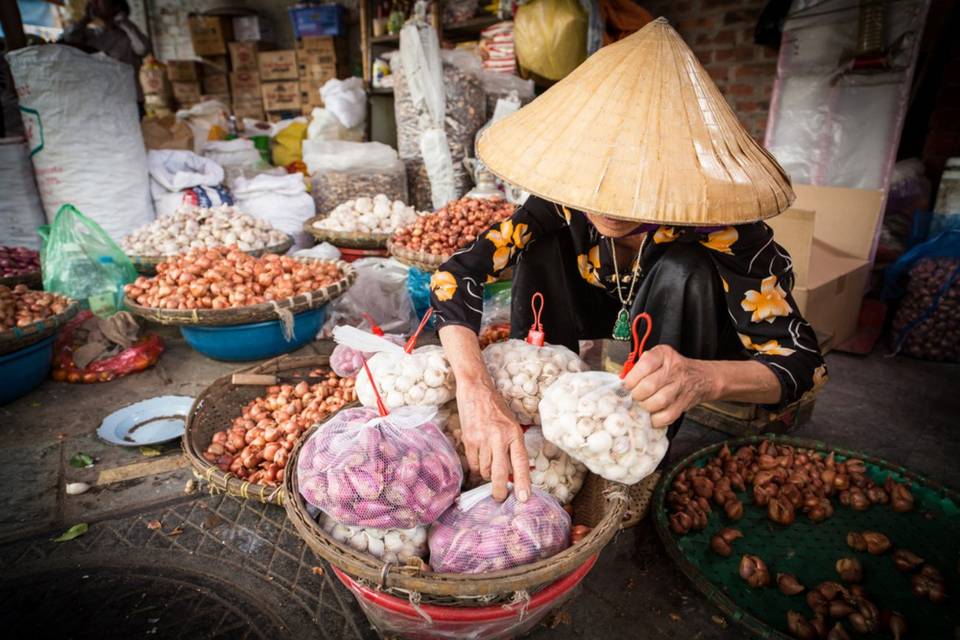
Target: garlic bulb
591,417
449,420
194,227
389,545
551,469
423,378
522,371
369,215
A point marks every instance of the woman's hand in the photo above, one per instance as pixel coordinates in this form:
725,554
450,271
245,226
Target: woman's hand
667,384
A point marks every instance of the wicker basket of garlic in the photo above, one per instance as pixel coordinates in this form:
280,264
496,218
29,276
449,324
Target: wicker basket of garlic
363,223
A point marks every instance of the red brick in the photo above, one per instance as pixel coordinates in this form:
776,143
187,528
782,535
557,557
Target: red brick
754,70
741,16
770,54
690,24
740,90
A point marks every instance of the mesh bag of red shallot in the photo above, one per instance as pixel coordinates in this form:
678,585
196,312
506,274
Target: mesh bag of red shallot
347,361
480,535
392,471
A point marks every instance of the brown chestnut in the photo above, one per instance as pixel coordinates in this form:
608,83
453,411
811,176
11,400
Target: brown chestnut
856,541
799,627
754,570
733,508
906,560
877,543
788,584
780,511
849,569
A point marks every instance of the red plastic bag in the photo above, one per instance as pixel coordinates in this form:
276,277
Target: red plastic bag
141,355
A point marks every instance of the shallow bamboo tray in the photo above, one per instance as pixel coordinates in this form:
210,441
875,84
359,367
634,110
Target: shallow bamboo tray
347,239
147,265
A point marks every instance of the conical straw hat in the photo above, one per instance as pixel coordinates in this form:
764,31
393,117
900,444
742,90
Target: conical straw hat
640,132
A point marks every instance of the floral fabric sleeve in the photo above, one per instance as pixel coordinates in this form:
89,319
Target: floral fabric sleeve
456,289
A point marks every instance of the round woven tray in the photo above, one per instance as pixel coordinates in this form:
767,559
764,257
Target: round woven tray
20,337
420,259
147,265
450,588
347,239
214,410
809,551
33,280
252,313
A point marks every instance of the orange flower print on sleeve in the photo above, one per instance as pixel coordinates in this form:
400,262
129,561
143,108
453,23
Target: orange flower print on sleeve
507,238
665,234
726,285
589,265
444,285
768,348
768,303
722,240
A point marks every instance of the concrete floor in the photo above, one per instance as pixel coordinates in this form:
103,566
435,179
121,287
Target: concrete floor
900,409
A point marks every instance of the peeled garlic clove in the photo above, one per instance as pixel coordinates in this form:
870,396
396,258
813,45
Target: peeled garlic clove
76,488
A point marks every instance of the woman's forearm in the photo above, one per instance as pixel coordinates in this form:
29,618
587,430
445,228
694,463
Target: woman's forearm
742,381
462,348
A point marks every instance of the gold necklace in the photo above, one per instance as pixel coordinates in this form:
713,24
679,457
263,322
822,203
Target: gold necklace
621,329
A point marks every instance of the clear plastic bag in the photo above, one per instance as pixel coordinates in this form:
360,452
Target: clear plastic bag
347,361
380,291
551,469
480,535
344,170
449,418
395,471
389,545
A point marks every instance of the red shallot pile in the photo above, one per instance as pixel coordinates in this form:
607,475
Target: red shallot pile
258,443
21,307
453,226
18,261
225,277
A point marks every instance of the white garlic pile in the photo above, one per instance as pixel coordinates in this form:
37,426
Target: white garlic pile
389,545
369,215
592,417
423,377
194,228
523,371
551,469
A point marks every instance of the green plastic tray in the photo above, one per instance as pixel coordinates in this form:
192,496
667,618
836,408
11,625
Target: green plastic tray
810,550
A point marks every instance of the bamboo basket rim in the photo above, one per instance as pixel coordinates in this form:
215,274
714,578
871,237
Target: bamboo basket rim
251,313
348,239
224,481
422,260
411,580
147,265
19,337
30,279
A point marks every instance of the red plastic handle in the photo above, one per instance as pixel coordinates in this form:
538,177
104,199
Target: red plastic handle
412,342
535,335
374,327
381,408
638,343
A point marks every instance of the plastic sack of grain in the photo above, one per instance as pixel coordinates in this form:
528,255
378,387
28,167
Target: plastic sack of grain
480,535
394,471
389,545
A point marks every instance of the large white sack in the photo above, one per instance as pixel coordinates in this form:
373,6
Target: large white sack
283,201
179,178
21,211
83,131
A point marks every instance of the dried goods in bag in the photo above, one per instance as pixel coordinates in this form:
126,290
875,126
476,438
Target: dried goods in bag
480,535
367,469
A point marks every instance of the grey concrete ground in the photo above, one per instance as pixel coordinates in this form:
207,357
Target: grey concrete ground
229,554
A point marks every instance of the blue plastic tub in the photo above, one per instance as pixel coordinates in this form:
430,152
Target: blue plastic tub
24,369
317,20
254,341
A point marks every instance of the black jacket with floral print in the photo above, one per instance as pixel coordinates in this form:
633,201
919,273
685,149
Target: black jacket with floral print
756,273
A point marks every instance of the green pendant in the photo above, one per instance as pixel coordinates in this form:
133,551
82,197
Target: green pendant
621,330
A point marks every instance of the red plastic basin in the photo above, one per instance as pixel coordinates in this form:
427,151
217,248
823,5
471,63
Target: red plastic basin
349,255
392,615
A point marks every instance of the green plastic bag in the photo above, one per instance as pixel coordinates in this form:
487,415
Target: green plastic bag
80,260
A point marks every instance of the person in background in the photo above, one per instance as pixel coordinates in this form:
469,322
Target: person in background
118,37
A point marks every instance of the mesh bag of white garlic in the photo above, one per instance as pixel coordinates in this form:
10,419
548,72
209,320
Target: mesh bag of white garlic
522,371
592,417
389,545
386,472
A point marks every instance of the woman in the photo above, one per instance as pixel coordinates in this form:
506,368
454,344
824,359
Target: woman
651,198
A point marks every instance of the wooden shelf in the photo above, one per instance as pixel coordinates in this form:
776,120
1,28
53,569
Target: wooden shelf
469,28
389,38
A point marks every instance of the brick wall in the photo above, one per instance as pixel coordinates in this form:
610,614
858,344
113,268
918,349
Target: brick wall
720,33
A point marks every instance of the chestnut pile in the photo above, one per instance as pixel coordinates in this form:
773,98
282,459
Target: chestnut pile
257,445
782,479
455,225
21,307
930,307
225,277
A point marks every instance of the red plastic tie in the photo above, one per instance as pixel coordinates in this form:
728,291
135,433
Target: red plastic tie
381,408
412,342
374,327
535,335
639,344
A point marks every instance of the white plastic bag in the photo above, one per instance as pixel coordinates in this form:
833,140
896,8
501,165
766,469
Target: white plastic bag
21,211
202,118
390,545
283,201
238,157
325,126
322,251
80,117
173,172
380,291
480,535
347,100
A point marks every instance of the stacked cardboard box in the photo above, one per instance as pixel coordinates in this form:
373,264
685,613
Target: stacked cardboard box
319,60
184,77
278,76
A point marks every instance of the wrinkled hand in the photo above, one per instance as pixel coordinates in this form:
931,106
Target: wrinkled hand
667,384
493,441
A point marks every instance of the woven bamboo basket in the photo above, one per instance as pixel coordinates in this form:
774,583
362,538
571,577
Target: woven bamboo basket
147,265
252,313
19,337
422,260
602,508
33,280
214,410
348,239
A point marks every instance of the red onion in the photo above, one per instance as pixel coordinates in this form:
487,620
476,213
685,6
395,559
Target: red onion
18,261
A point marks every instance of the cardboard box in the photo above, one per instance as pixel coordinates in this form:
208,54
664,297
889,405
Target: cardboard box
248,108
245,85
829,233
186,93
222,98
281,96
278,65
182,71
214,65
253,29
153,81
210,34
243,56
215,83
333,47
309,99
